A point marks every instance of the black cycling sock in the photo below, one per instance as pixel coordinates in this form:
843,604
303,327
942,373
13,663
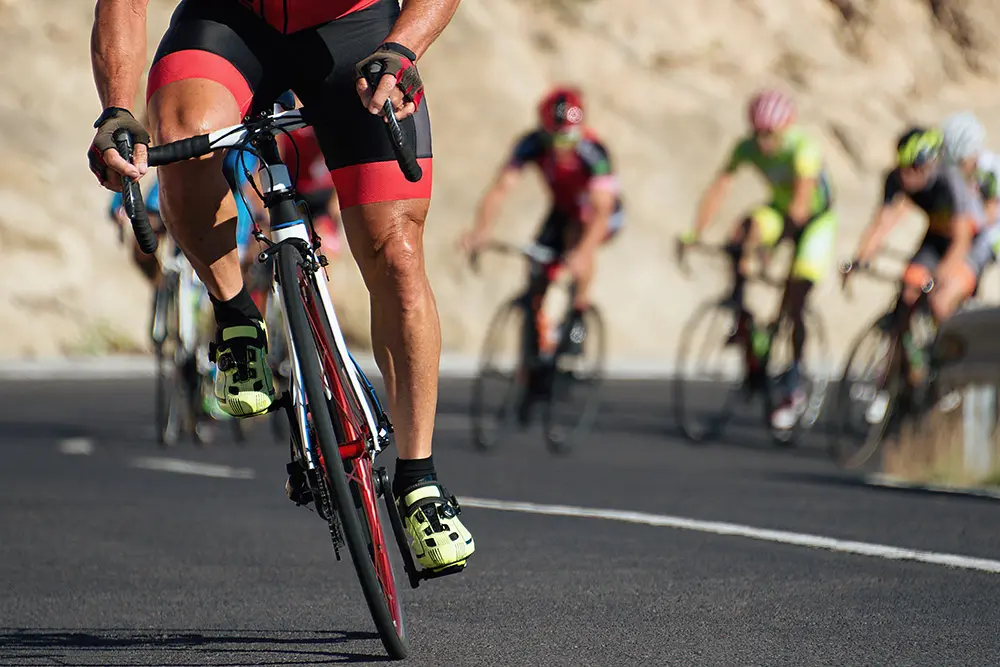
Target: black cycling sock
237,310
410,472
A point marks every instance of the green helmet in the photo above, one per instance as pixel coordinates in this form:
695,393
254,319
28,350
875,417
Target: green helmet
918,146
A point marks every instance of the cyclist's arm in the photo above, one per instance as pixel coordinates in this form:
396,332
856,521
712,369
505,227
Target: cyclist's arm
963,230
716,192
714,195
967,211
420,22
489,205
888,216
602,200
800,209
118,50
808,165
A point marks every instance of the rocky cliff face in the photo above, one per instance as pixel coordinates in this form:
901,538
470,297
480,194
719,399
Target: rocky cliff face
665,82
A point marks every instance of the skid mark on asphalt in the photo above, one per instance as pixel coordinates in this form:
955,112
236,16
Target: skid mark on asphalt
182,467
738,530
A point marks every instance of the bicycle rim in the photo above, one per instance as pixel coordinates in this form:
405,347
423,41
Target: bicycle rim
500,383
707,369
365,542
866,398
575,384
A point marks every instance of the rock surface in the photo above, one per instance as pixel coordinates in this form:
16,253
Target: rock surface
666,83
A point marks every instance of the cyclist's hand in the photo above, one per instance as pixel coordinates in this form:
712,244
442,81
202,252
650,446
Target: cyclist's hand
471,243
398,80
684,239
105,161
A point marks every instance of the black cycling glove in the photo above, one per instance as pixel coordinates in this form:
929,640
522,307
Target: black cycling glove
400,62
112,120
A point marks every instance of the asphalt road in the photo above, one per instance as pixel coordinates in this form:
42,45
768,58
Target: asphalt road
103,562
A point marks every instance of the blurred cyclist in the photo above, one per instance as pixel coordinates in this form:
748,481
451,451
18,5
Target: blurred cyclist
947,188
799,210
586,203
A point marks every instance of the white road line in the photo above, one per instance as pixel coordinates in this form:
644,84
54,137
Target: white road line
737,530
76,446
183,467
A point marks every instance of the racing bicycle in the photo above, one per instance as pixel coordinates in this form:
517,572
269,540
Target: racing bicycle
531,358
337,424
886,376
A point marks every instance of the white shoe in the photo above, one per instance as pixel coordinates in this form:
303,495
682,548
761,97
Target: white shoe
788,413
877,408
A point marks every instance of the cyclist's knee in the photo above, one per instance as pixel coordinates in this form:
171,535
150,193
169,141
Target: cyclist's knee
395,259
191,107
909,294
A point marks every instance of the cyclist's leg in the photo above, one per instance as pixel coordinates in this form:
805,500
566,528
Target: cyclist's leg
958,284
552,235
384,217
763,228
572,236
918,272
204,77
813,254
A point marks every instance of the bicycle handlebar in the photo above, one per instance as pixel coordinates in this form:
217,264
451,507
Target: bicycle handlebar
711,249
849,266
186,149
534,252
135,208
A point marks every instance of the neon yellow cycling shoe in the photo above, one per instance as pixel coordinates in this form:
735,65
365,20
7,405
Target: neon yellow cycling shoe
243,384
430,516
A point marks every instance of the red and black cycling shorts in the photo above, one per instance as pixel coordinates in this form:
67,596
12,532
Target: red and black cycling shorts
228,42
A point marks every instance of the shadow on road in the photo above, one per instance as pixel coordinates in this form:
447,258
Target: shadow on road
218,648
852,480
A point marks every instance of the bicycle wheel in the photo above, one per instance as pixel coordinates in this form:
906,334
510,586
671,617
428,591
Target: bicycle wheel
499,393
323,380
814,372
168,398
576,374
866,402
710,372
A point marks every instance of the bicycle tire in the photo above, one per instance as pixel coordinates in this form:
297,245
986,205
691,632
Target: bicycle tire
567,383
855,457
684,388
514,391
165,349
393,636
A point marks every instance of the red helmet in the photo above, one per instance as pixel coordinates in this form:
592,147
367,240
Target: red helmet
770,110
561,108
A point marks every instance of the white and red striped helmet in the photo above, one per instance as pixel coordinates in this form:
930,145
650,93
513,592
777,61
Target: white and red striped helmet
770,110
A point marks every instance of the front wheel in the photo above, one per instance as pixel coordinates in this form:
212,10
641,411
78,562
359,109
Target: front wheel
710,371
867,396
500,391
326,395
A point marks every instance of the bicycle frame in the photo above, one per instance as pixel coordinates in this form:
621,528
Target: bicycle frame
288,227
